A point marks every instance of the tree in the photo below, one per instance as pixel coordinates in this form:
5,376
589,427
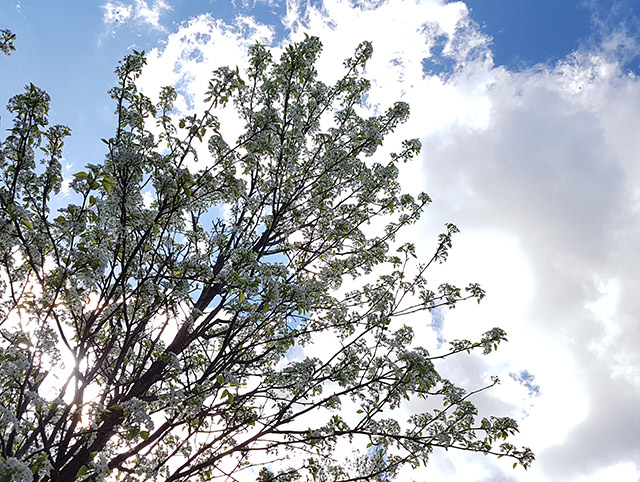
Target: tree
157,327
7,37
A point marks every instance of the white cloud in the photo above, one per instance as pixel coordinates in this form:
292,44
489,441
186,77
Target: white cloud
150,14
624,472
555,166
539,169
117,13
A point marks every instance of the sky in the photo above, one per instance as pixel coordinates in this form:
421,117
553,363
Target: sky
528,112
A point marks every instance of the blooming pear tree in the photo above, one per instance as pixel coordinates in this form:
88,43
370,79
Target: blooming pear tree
163,320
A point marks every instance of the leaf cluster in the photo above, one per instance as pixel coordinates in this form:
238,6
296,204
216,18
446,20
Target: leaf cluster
7,38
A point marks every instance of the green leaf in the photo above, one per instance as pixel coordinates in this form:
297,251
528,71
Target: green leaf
107,182
229,395
83,470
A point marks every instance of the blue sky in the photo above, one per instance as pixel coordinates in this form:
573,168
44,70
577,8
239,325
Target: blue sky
66,47
527,32
528,111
